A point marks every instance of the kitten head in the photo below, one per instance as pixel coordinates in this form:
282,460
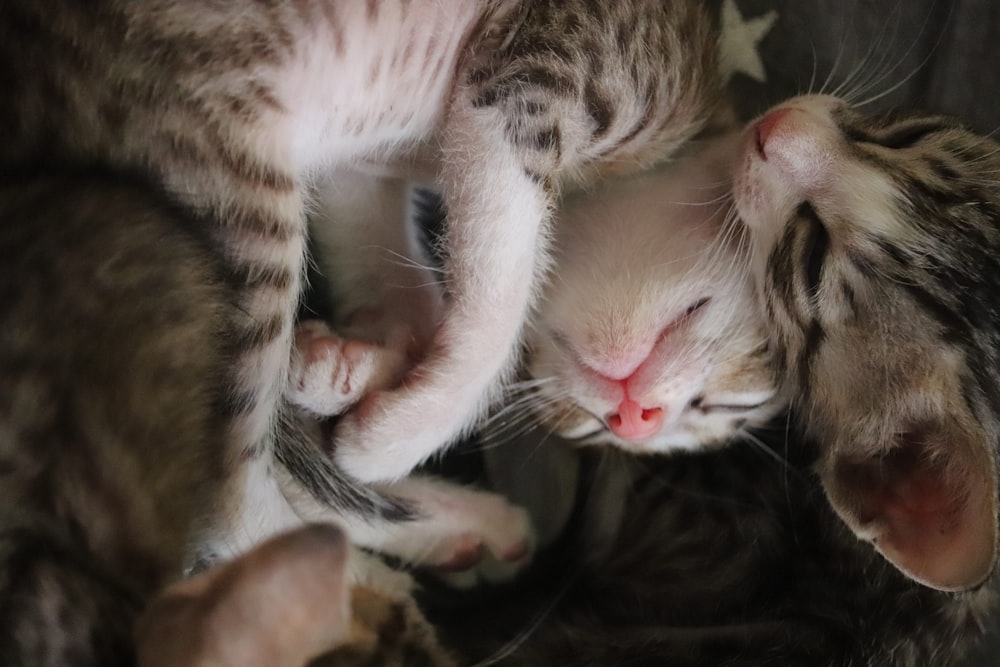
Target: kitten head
877,253
648,337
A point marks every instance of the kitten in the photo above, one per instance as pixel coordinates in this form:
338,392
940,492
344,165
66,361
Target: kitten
663,310
218,120
237,109
722,556
876,246
644,337
113,387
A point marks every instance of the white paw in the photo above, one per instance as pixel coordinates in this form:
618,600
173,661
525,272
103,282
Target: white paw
330,374
462,534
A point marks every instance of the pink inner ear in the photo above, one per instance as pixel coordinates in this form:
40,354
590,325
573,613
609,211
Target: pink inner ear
934,519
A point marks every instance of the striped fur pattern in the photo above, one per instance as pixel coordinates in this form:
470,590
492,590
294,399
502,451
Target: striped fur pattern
220,120
730,557
877,251
113,383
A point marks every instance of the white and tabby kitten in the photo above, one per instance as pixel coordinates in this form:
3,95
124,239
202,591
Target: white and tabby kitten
877,252
646,337
222,117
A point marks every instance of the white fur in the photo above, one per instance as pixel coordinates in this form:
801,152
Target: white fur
632,258
495,244
496,253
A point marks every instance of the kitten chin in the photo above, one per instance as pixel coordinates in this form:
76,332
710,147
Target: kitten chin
648,338
876,251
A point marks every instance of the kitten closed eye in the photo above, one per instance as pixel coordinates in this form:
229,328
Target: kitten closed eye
881,300
634,334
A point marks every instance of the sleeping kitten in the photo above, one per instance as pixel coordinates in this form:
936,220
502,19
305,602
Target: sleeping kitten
731,556
644,337
217,119
877,252
649,309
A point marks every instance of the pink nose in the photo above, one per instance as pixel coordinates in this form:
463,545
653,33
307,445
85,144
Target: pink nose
765,128
634,422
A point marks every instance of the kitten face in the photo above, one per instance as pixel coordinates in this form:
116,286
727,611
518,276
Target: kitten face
876,249
648,336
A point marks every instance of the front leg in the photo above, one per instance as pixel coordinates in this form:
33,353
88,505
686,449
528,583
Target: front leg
495,241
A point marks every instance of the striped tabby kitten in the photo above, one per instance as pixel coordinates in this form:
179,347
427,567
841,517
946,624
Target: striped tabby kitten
112,378
877,250
122,438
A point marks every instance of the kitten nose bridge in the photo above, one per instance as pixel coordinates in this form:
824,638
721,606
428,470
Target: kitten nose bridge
766,126
798,141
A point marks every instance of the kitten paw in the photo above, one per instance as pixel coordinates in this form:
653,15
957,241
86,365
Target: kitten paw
489,570
330,374
463,535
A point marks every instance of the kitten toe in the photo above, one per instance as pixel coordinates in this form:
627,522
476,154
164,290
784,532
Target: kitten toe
465,552
330,374
489,570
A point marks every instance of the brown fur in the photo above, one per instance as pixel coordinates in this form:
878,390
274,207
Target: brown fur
287,603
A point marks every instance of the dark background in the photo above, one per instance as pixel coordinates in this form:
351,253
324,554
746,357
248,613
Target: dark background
943,56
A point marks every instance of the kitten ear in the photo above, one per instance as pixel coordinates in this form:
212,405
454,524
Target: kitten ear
929,505
283,603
